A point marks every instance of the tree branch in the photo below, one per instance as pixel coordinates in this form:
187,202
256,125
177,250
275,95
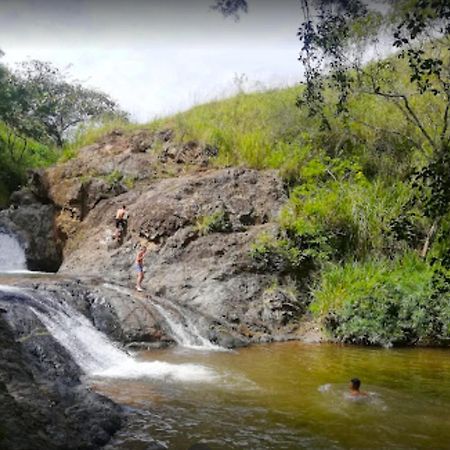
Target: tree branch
385,130
408,112
429,238
446,117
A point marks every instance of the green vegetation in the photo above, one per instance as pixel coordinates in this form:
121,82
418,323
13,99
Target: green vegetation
17,155
383,302
217,222
40,107
257,130
365,155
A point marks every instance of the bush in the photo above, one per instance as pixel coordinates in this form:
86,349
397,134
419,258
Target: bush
383,302
217,222
340,213
17,155
275,254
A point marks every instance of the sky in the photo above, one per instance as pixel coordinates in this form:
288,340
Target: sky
156,57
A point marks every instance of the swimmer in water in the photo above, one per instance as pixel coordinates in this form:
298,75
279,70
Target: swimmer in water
355,384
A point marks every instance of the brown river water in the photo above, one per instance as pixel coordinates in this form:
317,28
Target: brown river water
289,396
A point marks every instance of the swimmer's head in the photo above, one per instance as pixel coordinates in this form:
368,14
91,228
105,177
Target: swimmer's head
355,384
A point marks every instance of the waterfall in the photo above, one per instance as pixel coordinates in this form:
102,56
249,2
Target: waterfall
92,350
180,322
183,328
12,255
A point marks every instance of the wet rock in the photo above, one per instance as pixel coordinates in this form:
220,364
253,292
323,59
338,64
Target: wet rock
225,339
33,225
43,404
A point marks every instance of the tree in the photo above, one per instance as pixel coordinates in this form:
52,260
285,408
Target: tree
231,8
46,105
335,36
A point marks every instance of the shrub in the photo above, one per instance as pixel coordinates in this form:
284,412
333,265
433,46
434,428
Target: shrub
17,155
382,302
216,222
341,213
274,254
114,177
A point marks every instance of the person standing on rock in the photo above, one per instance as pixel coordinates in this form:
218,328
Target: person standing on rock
121,222
140,267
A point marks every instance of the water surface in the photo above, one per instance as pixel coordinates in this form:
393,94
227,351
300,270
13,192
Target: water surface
289,396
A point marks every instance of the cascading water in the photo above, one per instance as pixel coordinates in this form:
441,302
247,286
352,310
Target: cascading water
184,330
92,350
12,255
182,325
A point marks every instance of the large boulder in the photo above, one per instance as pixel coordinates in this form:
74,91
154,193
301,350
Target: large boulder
33,224
43,404
201,228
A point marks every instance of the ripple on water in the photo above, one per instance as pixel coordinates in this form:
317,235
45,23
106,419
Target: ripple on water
295,396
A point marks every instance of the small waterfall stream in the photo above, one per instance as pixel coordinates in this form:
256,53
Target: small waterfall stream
92,350
12,255
183,328
179,320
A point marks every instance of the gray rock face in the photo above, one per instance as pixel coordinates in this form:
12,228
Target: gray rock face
33,224
201,229
200,224
43,404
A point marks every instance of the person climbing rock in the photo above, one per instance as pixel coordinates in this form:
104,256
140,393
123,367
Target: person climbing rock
355,384
140,267
121,222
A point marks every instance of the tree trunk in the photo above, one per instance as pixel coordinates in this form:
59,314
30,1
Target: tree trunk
429,238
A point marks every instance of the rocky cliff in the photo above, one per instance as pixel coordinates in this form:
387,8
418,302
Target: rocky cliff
200,223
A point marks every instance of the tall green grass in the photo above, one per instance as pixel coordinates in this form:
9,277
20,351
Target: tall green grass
383,302
16,157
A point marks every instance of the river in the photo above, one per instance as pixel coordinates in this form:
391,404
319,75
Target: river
289,396
275,396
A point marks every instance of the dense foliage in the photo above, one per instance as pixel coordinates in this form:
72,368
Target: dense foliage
398,303
383,301
363,148
39,107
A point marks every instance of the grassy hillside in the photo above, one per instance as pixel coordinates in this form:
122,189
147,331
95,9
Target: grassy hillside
352,230
16,156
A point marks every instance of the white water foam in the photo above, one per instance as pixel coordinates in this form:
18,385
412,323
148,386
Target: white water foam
93,351
185,332
182,325
12,255
187,373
